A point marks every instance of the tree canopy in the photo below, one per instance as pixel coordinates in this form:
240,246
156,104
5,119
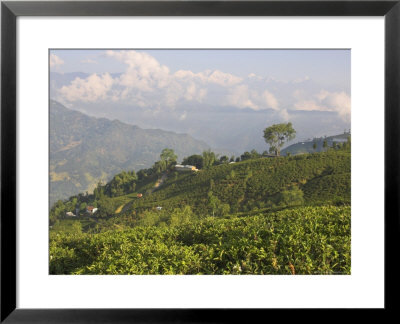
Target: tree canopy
277,134
168,155
196,160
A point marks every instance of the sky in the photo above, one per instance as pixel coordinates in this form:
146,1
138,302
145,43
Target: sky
325,66
172,85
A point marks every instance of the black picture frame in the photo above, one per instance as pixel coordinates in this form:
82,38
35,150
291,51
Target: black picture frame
10,10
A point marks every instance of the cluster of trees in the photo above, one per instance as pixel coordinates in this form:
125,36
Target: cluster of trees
122,184
207,159
335,145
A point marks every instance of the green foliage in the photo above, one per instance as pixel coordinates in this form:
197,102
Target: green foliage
277,134
196,160
307,240
122,184
335,187
106,207
224,159
325,144
291,197
168,155
181,216
253,181
208,159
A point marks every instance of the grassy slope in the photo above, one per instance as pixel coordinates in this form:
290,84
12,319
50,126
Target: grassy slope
324,177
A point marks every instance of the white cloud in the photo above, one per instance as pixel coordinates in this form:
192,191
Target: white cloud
146,82
149,84
224,79
309,105
88,61
270,100
339,102
193,93
208,76
55,60
93,88
239,96
144,72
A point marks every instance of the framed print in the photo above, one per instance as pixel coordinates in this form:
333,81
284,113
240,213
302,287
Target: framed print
161,160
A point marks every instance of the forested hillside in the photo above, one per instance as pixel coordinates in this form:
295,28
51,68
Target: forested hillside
318,144
84,150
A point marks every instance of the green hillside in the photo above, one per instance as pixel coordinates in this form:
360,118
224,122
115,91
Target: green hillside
260,216
308,146
257,183
84,149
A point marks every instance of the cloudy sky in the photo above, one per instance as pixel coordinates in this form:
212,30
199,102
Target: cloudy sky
283,84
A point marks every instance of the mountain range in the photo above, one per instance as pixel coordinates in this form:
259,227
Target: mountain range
85,150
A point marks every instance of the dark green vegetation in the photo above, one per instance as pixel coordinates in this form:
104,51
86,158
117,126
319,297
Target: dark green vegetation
84,150
317,144
261,215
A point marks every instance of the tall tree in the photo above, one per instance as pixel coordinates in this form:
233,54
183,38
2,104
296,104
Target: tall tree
168,155
325,144
167,159
224,159
208,159
277,134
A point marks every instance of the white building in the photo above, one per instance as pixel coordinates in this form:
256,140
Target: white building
91,209
181,168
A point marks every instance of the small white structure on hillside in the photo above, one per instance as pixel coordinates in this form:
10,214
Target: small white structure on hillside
339,140
180,167
158,208
70,214
91,209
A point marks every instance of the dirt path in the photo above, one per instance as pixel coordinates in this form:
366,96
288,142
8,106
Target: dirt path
119,209
159,182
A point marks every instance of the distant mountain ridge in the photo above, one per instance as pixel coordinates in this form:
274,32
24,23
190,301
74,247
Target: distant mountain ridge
307,145
85,150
